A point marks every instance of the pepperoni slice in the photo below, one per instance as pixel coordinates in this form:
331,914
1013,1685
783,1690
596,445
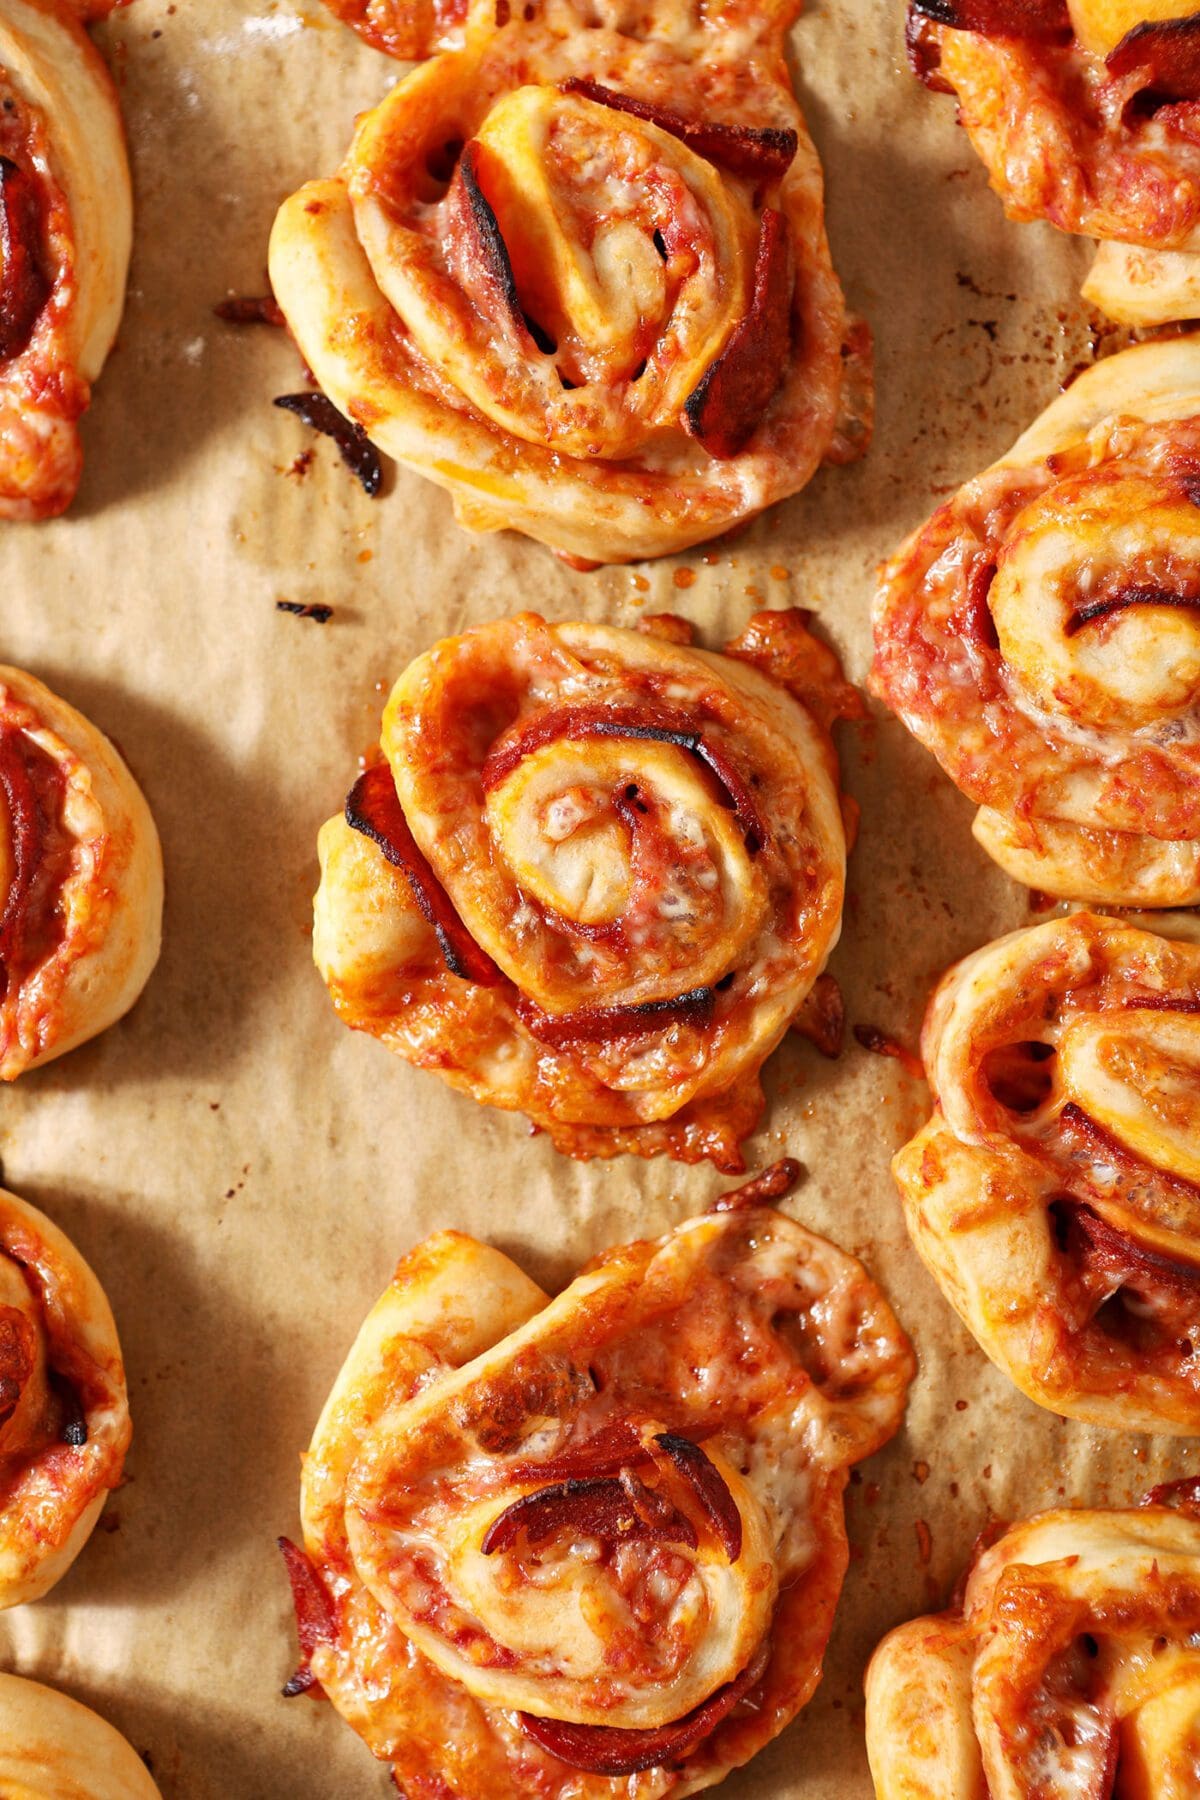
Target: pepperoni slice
616,1509
727,407
600,1024
1123,599
710,1488
26,835
315,1622
24,284
1166,52
763,154
373,808
999,18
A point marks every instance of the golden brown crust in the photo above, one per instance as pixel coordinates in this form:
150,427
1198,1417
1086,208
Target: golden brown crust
1041,635
52,1748
1055,1193
615,330
441,1427
1070,1669
639,854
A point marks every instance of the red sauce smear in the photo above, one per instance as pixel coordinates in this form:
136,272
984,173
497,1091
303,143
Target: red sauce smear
373,808
727,407
607,1750
24,284
613,1508
1126,597
1165,53
651,723
760,153
999,18
315,1620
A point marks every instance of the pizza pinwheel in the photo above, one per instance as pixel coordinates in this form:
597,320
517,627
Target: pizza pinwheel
64,1414
1070,1667
81,887
575,271
1086,113
52,1748
595,876
590,1548
1041,635
1055,1193
65,232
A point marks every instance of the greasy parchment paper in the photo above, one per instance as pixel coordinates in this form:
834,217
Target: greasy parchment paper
242,1171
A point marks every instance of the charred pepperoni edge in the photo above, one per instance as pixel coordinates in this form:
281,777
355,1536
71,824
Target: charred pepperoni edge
710,1488
1082,1132
1118,1256
727,407
315,1621
651,724
1181,1003
481,255
599,1024
999,18
27,833
1126,597
821,1017
359,454
373,809
762,153
1183,1494
24,284
1166,52
607,1750
73,1425
609,1507
774,1182
618,1446
924,52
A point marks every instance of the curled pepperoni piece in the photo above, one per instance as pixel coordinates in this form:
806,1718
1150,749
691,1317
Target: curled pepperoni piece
613,1508
727,407
24,284
373,808
1124,598
601,1024
710,1488
315,1623
27,839
764,154
999,18
1166,52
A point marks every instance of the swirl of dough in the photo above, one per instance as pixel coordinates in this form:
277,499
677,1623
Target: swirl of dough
580,278
66,215
1070,1668
596,877
586,1530
81,887
1055,1192
1041,635
52,1748
64,1414
1085,113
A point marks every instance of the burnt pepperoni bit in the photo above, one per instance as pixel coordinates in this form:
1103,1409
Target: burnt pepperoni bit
727,407
610,1508
653,724
24,283
762,154
999,18
354,446
924,52
607,1452
373,808
315,1622
599,1024
1183,1494
774,1182
73,1427
607,1750
250,309
822,1017
710,1488
476,250
1122,601
1165,54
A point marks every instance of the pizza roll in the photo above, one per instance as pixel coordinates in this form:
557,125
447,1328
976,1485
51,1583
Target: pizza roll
81,887
1041,635
52,1748
579,277
65,231
1085,113
591,1547
1055,1193
595,877
64,1413
1068,1668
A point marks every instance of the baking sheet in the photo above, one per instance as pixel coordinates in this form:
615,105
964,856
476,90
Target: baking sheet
243,1172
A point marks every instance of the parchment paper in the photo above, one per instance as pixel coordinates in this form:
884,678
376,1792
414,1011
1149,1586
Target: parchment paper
241,1170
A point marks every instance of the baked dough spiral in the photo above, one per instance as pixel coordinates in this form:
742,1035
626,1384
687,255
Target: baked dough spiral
81,887
52,1748
1055,1193
591,1547
595,877
65,230
579,277
1086,113
1041,635
64,1414
1069,1668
